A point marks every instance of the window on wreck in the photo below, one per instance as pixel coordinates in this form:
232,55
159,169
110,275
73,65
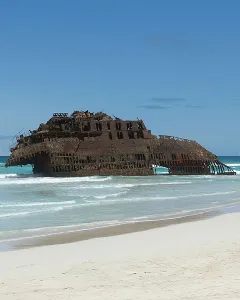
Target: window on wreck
99,126
89,159
140,156
140,125
131,135
120,135
140,134
183,156
108,126
86,127
129,126
118,126
110,135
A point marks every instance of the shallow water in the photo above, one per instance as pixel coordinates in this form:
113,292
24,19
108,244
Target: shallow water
36,206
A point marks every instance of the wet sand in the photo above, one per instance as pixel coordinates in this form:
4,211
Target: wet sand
77,236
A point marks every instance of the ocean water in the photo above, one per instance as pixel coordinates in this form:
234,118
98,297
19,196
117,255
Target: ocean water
32,206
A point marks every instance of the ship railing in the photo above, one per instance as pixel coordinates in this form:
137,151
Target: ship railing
170,137
20,135
60,115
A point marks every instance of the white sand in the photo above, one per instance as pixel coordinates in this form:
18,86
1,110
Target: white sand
199,260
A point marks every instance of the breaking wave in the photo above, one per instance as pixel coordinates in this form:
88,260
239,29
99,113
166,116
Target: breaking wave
234,165
110,195
5,176
155,198
25,213
18,179
35,204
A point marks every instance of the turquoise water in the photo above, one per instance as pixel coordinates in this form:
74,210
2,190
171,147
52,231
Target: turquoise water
35,206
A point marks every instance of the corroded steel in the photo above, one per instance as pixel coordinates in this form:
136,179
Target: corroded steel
86,143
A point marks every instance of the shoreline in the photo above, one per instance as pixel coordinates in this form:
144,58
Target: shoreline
77,235
107,231
56,238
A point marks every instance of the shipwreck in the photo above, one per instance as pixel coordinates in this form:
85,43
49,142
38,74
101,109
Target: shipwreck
85,143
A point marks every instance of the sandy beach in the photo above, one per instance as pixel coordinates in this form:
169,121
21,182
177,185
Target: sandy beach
193,260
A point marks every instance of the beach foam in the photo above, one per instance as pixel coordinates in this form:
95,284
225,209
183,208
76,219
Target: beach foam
18,179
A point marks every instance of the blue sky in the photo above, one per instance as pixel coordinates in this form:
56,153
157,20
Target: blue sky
173,63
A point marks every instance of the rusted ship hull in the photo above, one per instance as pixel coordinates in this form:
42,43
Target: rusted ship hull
90,156
85,144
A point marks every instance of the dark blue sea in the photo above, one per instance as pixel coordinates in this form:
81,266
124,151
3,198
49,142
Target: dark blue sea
33,206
